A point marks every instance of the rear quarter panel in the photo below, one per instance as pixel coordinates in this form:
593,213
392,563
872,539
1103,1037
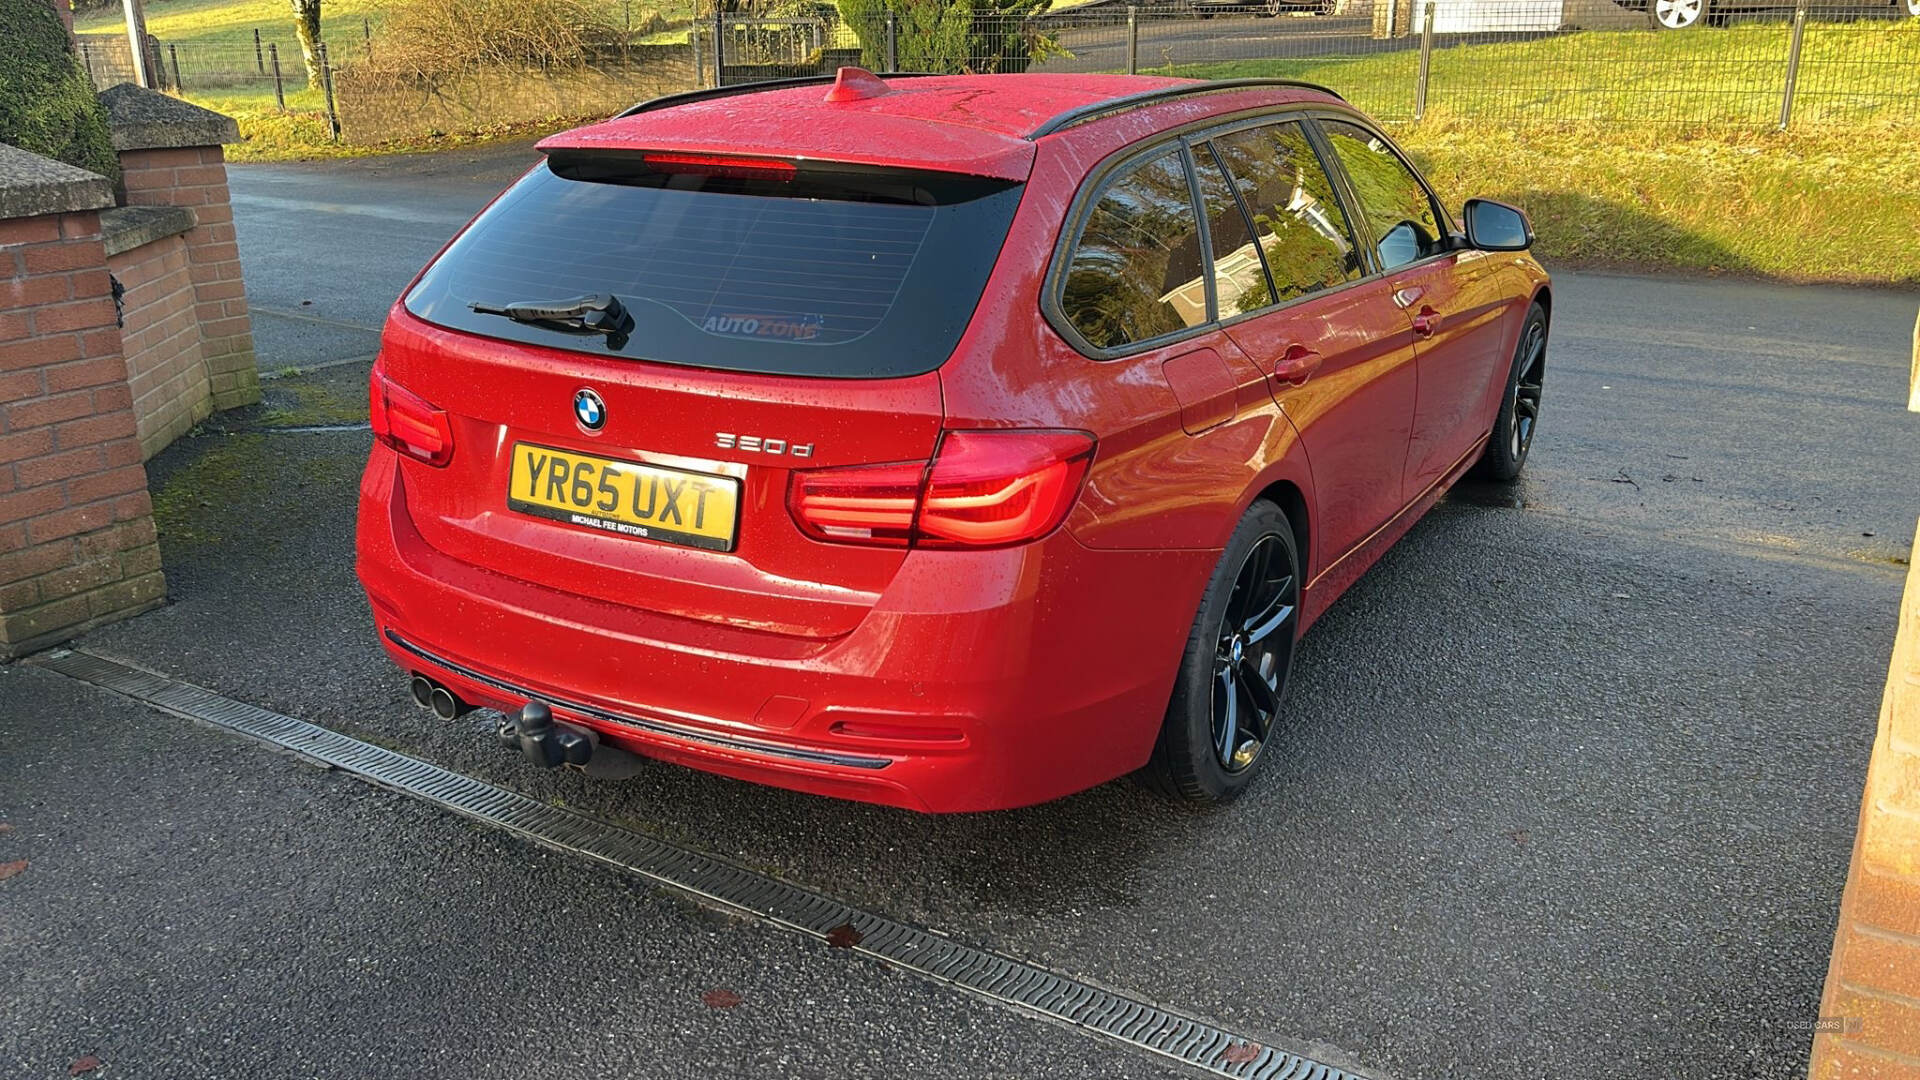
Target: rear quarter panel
1152,484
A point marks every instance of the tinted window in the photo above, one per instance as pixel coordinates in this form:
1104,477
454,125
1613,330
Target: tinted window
1396,206
835,274
1239,279
1302,229
1135,273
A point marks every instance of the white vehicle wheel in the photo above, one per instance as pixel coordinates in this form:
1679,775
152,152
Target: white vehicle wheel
1684,14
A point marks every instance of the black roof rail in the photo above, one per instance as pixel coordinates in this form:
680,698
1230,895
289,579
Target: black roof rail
668,101
1150,97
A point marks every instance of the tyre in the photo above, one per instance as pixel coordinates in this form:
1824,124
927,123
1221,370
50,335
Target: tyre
1233,674
1677,14
1519,415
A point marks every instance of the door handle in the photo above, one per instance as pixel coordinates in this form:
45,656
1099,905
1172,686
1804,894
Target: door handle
1426,321
1297,365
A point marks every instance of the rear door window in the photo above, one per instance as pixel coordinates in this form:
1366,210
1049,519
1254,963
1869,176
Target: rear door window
1299,223
1398,209
1136,272
1239,276
855,274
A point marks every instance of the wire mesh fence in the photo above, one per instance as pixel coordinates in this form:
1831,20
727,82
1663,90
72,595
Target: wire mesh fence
1690,63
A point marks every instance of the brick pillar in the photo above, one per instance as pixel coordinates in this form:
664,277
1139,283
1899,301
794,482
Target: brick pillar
77,544
171,154
1869,1024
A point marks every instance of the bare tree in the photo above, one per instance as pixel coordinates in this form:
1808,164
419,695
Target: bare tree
306,26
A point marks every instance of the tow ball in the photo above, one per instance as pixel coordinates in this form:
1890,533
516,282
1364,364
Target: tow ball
544,742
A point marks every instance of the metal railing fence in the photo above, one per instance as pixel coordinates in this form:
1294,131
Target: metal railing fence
1798,63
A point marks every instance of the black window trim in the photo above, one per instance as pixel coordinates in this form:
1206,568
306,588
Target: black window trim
1246,218
1204,130
1450,241
1343,200
1204,234
1099,182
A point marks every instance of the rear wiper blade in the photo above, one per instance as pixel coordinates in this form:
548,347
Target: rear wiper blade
597,314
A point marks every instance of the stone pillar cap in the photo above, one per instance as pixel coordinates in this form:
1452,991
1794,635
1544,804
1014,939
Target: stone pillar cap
142,119
31,185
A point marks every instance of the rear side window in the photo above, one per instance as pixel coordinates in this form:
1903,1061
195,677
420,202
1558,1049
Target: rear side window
1301,227
1136,271
857,274
1396,205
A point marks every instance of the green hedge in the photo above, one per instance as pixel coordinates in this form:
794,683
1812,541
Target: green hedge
949,36
47,103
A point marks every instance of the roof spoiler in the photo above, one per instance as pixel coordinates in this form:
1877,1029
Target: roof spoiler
1067,119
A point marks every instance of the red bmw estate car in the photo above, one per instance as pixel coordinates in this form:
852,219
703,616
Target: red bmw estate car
955,443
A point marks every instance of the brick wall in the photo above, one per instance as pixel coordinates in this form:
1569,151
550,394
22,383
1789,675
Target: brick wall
162,341
196,177
77,543
1870,1012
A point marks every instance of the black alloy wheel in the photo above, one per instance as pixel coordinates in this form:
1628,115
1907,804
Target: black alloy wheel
1253,653
1225,708
1527,388
1519,416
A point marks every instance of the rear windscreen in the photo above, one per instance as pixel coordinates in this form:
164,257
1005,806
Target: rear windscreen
858,274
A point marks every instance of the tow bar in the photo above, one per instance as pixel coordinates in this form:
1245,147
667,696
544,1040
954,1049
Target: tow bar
549,745
544,743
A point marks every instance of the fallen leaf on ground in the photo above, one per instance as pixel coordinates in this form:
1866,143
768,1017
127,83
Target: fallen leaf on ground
8,869
1241,1052
6,828
84,1065
720,999
844,936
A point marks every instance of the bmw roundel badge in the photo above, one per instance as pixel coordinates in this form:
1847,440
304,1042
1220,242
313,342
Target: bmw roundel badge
589,410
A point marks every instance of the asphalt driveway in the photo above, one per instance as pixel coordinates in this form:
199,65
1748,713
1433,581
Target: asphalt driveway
1567,788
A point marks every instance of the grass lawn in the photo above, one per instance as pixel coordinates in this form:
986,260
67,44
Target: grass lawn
1839,205
1834,199
232,22
300,133
1852,72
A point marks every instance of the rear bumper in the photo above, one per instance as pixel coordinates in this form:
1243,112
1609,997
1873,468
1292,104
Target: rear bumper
978,681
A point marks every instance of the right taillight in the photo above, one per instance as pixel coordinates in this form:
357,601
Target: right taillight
982,489
405,421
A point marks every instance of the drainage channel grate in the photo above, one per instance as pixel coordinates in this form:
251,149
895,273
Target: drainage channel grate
1135,1023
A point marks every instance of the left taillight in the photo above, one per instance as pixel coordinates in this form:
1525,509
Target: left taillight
407,422
982,489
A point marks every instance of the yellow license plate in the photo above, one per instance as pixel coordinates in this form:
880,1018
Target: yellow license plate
625,497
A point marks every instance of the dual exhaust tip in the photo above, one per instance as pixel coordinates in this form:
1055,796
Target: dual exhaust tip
431,695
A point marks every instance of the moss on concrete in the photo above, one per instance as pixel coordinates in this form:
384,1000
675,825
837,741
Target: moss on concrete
291,398
197,503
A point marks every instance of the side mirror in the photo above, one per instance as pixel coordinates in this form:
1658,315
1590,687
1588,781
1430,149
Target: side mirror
1493,226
